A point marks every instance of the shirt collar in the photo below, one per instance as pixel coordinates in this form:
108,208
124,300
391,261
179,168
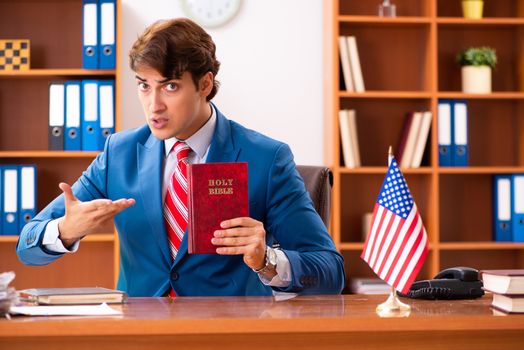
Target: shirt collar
200,140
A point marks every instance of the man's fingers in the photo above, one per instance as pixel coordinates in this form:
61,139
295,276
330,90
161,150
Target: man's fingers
68,192
241,221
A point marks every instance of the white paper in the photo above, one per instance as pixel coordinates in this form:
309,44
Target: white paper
65,310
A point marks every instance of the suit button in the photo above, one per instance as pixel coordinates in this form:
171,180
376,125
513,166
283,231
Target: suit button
174,275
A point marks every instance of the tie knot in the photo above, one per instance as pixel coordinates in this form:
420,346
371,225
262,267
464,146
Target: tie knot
181,150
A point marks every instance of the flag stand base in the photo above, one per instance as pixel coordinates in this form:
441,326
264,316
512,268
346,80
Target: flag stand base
393,307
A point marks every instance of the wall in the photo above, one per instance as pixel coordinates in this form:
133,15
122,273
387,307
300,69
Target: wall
271,68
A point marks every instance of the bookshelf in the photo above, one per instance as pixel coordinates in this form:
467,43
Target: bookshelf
408,63
56,55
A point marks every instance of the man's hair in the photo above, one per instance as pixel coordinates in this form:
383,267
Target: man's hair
173,47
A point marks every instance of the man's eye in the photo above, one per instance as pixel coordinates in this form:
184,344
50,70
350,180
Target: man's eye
171,87
142,86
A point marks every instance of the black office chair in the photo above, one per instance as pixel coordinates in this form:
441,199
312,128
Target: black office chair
318,181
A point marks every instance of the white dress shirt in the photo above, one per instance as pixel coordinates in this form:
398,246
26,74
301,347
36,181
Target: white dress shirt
199,143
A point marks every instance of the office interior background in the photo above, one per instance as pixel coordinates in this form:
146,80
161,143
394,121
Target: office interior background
271,68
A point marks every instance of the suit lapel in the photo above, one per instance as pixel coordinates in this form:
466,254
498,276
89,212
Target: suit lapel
150,160
221,150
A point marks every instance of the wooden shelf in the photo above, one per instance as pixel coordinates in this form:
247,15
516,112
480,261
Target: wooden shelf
493,96
508,21
54,28
48,154
480,170
387,94
382,170
411,73
481,246
399,20
57,72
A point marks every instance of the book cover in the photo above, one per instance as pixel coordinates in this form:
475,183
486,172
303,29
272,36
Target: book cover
504,281
421,139
57,296
217,192
347,144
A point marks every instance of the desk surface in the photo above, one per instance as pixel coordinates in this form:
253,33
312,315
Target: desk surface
335,320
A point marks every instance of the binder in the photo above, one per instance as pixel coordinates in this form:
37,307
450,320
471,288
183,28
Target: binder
90,34
27,189
56,116
460,133
106,111
1,198
502,208
72,139
343,51
107,33
444,119
517,216
10,199
90,124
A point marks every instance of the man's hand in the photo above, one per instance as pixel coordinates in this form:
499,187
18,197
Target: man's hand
83,218
244,236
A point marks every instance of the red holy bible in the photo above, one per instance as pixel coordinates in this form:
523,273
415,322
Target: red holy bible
217,192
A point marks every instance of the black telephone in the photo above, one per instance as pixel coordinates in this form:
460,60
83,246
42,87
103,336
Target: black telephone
452,283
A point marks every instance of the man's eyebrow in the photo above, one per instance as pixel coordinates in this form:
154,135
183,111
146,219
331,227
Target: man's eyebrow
139,78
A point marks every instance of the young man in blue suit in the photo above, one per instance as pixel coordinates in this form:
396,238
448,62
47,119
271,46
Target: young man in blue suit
175,68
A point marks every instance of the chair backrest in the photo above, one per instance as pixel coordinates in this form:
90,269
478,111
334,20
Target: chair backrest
318,181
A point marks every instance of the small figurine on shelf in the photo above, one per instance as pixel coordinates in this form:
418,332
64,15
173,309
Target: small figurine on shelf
477,63
387,9
14,54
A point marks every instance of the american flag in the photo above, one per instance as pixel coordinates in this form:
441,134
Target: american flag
397,243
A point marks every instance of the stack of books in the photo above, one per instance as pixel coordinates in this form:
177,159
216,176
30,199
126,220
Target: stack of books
507,287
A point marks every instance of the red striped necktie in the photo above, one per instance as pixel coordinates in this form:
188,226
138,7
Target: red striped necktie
175,205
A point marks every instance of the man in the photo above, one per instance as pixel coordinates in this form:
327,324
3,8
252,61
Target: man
139,180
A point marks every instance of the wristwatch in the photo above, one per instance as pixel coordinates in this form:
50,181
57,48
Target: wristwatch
271,262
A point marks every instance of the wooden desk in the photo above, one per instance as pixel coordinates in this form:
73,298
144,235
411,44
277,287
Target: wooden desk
314,322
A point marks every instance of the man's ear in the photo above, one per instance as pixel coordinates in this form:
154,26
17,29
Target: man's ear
206,84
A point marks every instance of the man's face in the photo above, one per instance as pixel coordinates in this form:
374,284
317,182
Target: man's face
173,107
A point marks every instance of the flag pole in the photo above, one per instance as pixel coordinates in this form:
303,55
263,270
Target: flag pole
392,305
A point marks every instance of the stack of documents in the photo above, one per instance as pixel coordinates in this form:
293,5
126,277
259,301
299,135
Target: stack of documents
7,294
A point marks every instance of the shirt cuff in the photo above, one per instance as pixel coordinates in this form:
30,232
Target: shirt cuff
283,276
53,243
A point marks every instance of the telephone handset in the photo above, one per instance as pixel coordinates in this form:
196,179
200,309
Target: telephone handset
452,283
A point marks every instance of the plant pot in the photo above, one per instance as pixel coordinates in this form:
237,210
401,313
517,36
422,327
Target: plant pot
472,8
476,79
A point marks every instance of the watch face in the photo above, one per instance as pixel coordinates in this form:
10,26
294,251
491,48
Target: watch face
271,256
211,13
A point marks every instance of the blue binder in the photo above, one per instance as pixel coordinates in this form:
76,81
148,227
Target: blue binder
460,133
502,208
517,216
10,199
106,98
90,34
107,34
1,198
90,119
73,109
27,189
444,130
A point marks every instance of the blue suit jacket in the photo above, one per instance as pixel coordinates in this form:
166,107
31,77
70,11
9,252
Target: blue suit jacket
131,167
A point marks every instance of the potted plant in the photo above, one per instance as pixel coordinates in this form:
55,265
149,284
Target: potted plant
472,8
477,63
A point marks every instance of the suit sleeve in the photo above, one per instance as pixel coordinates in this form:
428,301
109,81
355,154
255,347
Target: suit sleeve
316,266
91,185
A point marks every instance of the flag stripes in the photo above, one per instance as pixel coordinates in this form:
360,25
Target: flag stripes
396,246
